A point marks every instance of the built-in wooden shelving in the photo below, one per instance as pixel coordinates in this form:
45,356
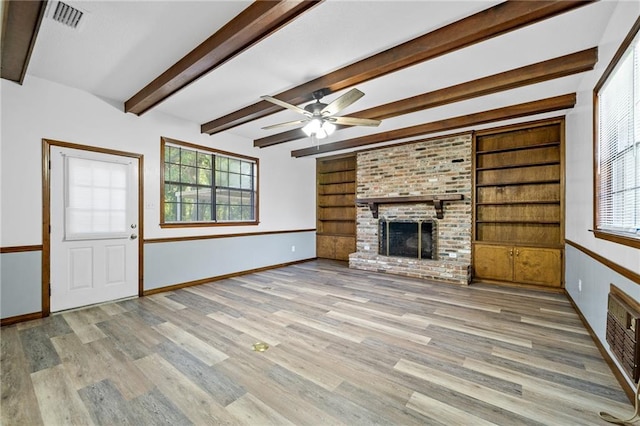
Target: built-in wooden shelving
336,212
518,205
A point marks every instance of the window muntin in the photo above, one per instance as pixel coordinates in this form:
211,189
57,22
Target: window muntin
191,174
617,149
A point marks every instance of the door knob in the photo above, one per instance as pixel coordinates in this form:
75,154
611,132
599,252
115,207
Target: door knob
133,236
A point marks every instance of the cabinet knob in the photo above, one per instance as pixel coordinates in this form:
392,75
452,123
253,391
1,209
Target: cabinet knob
511,252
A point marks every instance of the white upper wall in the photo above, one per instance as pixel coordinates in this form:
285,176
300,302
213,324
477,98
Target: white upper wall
40,109
579,148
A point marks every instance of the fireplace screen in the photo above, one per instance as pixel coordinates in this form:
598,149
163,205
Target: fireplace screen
407,239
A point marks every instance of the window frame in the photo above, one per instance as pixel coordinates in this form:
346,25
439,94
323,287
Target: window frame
215,152
624,238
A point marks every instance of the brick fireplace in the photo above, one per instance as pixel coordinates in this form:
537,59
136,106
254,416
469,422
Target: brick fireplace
413,172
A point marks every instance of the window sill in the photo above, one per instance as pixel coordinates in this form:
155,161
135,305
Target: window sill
620,238
206,224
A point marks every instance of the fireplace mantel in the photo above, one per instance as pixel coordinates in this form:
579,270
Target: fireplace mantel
437,201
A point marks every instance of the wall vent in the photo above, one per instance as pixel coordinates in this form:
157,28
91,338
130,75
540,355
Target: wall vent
623,331
66,15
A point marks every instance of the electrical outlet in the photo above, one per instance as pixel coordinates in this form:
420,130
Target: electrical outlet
367,248
579,285
454,255
293,248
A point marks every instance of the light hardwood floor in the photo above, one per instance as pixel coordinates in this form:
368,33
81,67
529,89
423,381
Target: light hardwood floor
346,347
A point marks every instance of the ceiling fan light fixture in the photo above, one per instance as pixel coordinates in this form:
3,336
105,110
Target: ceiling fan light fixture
313,127
319,127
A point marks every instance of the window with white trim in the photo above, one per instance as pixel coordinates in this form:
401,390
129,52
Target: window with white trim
203,186
617,148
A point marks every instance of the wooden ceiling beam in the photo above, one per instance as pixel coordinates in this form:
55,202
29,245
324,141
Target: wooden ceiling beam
20,25
499,19
499,114
558,67
254,23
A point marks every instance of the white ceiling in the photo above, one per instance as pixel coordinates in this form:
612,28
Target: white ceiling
124,45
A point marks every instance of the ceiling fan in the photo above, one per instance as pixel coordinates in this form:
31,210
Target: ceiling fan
320,118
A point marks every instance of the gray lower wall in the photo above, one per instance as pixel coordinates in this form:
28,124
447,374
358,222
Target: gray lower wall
20,283
171,263
165,264
591,295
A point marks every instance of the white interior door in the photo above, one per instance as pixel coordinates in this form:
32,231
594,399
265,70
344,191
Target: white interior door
94,227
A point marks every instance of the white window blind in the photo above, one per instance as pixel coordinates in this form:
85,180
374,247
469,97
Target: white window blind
96,199
618,161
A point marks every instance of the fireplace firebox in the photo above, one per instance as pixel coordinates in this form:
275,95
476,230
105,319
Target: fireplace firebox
413,239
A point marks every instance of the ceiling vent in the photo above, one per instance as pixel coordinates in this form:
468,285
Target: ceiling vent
69,16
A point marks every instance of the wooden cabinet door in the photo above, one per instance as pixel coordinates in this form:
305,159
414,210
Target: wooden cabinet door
325,246
344,247
541,266
493,262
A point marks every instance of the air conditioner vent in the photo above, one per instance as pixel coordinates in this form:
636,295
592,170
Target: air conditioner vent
66,15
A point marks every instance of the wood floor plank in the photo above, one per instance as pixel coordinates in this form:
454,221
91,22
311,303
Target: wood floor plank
251,411
162,299
196,347
38,349
19,404
80,365
317,374
106,405
153,408
58,400
434,409
112,309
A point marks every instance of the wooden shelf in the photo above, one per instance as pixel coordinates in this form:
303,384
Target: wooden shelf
333,234
519,148
515,203
517,166
350,168
532,182
437,201
335,183
523,222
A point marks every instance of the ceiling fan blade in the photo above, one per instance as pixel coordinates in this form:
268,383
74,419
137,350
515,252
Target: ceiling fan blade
342,102
286,105
354,121
288,123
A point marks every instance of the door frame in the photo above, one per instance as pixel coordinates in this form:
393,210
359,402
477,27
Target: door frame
46,213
